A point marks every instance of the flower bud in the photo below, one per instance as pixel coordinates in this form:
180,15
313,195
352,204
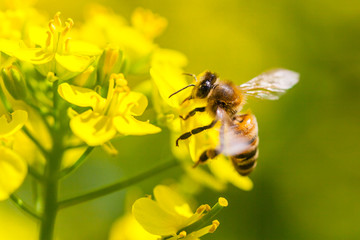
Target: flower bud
86,79
111,61
14,82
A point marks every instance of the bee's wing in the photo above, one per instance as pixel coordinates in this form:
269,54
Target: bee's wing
231,142
270,85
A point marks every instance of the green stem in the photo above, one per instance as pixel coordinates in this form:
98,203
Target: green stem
25,207
51,181
33,172
77,164
50,195
116,186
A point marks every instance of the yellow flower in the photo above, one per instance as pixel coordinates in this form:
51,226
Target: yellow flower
136,41
171,217
13,168
57,53
166,73
128,228
108,117
149,24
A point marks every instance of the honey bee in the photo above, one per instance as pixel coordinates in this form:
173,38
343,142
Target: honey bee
238,132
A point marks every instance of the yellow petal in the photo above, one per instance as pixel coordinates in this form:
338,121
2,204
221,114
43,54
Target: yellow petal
170,57
225,171
9,46
13,170
205,178
69,66
171,201
137,102
18,119
82,97
128,125
154,219
169,80
83,48
34,55
128,228
93,128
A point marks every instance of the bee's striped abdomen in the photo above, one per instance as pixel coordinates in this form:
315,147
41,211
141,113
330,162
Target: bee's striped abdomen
246,126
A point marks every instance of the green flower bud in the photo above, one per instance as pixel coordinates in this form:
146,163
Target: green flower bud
111,61
14,82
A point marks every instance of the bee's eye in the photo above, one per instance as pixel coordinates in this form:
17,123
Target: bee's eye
203,89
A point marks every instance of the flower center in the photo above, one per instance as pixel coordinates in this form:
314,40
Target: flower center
57,40
118,91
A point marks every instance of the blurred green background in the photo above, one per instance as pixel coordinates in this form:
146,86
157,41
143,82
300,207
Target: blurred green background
307,182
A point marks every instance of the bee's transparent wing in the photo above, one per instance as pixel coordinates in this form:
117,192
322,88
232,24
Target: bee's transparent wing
270,85
231,142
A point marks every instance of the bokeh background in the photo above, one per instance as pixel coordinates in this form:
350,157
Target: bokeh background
307,182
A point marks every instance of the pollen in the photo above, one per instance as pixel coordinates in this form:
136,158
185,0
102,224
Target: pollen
214,226
182,234
203,208
223,202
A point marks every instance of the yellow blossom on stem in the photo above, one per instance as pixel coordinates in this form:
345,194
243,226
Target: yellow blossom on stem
58,54
171,217
150,24
110,116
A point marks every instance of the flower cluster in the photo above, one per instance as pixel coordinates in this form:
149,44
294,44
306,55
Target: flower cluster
63,90
169,217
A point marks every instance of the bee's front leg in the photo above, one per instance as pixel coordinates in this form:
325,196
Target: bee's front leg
192,112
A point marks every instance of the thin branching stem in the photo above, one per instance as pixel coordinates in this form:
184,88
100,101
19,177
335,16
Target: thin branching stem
23,206
116,186
35,141
77,164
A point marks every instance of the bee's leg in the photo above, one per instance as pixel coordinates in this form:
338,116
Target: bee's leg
210,153
195,131
187,99
192,112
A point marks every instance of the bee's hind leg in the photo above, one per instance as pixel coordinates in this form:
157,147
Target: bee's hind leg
212,153
195,131
206,155
192,112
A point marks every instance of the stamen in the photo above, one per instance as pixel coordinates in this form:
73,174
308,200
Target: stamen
182,234
57,20
48,39
67,44
66,29
52,26
223,202
202,208
214,226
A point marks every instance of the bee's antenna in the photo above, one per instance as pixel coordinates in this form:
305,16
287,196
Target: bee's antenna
191,85
192,75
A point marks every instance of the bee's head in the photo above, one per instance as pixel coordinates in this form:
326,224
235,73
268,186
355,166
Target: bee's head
206,83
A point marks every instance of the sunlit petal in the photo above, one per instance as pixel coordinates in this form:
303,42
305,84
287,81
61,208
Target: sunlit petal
93,128
154,219
13,170
18,119
128,125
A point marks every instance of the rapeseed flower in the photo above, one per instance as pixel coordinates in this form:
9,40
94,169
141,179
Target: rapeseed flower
171,217
110,116
54,51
